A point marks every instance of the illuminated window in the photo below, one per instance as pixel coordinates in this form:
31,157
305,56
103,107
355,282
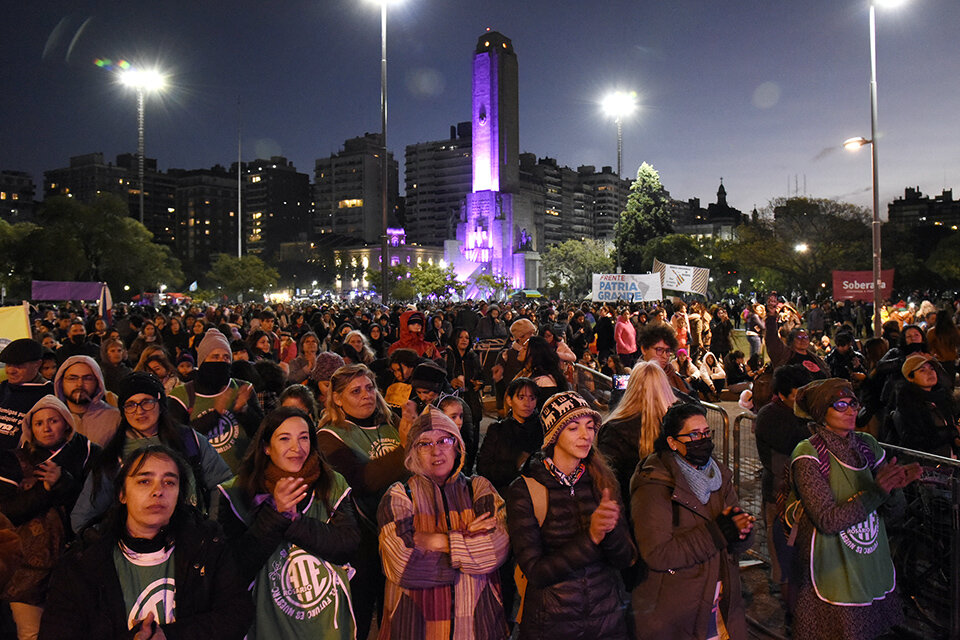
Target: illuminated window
254,178
3,195
351,203
171,210
53,185
15,196
257,215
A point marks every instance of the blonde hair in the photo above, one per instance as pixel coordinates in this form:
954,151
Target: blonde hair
647,397
366,353
334,415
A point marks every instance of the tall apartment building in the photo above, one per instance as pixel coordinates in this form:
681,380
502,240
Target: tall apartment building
347,190
606,198
276,205
437,178
88,176
206,204
17,194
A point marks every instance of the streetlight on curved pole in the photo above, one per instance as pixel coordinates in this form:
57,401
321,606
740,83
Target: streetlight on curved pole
142,80
852,144
618,105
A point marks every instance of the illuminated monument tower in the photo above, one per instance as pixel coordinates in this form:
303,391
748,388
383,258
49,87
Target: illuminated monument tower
496,230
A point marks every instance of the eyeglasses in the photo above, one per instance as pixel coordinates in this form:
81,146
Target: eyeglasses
144,405
442,444
802,336
662,351
697,435
75,378
843,405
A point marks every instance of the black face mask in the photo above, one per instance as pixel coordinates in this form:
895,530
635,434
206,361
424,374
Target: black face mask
78,339
698,451
213,376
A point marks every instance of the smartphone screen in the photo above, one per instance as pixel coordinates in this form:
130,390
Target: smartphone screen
620,381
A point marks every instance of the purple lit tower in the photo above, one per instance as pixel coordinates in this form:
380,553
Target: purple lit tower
496,230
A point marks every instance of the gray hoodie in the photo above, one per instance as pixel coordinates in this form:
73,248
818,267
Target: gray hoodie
99,422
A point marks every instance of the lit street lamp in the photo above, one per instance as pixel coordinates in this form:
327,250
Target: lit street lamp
384,245
618,105
143,80
852,144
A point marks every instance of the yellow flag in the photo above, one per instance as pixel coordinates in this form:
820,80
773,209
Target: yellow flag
14,323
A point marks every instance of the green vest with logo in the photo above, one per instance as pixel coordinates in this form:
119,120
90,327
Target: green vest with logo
147,583
297,594
853,567
227,437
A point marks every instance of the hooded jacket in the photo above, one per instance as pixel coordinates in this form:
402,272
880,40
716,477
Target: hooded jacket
411,340
99,422
685,553
430,594
39,513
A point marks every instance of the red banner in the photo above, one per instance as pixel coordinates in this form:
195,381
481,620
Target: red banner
858,285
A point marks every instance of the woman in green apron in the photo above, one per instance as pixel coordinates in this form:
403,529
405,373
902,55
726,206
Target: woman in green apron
294,531
846,579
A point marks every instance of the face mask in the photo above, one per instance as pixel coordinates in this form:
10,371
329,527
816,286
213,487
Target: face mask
213,376
78,340
698,451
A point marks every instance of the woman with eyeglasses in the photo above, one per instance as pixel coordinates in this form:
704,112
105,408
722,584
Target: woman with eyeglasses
443,536
690,531
846,584
145,420
794,348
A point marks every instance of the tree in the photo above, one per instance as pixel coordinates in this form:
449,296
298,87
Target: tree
569,267
99,242
422,280
646,217
802,242
244,275
496,285
943,259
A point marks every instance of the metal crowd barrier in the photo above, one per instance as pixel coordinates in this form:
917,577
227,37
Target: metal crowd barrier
746,478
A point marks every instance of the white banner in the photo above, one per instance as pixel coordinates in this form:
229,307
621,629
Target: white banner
678,277
632,287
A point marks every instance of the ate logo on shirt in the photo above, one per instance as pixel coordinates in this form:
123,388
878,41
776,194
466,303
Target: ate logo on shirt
862,537
302,585
223,436
158,597
383,446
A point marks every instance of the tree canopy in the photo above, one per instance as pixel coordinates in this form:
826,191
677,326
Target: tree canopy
245,275
646,217
568,267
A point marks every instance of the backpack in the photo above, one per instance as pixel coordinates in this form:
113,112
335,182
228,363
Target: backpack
539,498
789,505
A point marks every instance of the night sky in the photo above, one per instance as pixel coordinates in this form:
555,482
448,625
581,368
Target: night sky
759,92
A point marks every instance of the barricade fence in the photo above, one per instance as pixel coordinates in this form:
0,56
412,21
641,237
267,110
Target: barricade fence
924,536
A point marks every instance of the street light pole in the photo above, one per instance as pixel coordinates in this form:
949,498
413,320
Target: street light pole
619,173
384,169
619,104
140,146
877,280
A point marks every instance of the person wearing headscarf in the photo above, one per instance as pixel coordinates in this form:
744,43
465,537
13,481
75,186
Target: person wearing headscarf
443,536
846,583
39,483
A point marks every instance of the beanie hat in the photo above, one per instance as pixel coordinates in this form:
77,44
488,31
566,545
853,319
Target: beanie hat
212,339
432,419
21,351
814,399
683,351
185,357
561,409
327,362
429,376
140,382
913,362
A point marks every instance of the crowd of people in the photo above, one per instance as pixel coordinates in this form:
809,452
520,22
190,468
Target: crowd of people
318,470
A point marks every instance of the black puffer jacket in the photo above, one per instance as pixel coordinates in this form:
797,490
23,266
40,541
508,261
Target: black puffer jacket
86,601
574,588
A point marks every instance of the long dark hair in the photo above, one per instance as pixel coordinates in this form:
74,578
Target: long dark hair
168,432
542,360
250,477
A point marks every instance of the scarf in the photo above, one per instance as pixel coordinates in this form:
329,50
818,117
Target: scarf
310,471
562,478
702,482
